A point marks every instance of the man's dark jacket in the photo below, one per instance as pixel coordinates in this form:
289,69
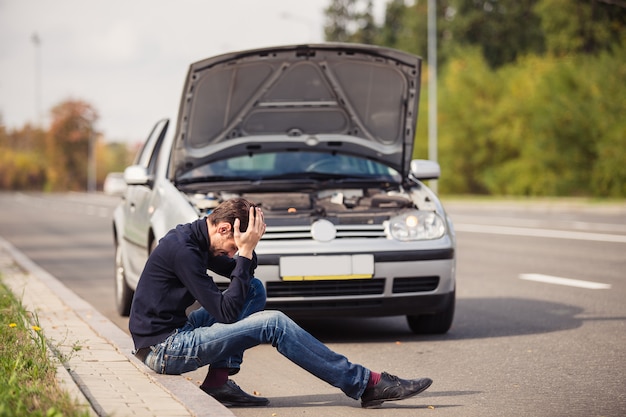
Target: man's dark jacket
175,275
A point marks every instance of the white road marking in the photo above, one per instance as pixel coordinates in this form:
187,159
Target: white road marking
565,281
550,233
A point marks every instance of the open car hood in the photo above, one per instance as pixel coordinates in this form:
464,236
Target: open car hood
353,99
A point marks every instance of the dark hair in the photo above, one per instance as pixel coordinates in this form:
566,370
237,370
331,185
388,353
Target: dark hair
229,210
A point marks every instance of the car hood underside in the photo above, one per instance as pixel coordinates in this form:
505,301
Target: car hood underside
337,98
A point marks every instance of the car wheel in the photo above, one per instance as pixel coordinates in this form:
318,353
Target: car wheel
438,323
123,293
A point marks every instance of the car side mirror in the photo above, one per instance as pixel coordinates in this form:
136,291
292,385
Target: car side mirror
136,175
423,169
114,184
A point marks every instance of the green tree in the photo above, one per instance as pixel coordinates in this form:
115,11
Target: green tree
502,29
530,92
508,29
406,27
581,122
545,126
608,88
369,32
393,25
351,21
340,16
466,103
588,27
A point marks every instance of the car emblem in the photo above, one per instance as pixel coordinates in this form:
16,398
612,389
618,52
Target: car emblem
323,231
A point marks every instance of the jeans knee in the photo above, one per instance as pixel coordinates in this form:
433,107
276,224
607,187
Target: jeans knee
276,326
277,319
255,300
258,289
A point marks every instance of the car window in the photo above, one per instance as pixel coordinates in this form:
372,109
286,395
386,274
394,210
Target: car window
154,157
146,157
284,163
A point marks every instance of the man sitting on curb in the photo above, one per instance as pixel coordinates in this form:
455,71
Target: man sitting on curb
229,322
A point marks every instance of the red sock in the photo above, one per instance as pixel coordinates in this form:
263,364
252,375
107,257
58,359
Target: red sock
374,379
216,377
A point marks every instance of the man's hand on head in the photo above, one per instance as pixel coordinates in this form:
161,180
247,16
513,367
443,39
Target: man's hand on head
247,241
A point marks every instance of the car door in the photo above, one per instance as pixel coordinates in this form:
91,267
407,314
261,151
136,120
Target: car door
138,209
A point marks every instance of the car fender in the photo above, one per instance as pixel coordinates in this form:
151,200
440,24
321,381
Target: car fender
173,209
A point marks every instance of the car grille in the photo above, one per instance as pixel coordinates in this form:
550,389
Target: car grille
415,284
308,289
343,231
325,288
320,305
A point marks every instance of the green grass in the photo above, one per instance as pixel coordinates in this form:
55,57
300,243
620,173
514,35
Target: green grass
28,384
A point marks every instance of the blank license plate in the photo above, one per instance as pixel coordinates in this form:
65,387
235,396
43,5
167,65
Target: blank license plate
312,268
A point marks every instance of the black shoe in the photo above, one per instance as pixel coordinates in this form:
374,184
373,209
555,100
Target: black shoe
392,388
231,395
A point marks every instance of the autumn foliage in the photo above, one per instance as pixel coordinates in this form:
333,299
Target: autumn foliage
56,159
68,144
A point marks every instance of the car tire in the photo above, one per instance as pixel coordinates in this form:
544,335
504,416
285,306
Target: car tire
123,293
438,323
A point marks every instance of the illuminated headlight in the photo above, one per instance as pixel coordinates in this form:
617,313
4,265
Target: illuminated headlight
416,225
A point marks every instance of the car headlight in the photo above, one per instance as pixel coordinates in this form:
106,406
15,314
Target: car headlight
416,225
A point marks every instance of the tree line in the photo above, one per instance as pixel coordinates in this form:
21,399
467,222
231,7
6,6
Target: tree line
531,100
531,93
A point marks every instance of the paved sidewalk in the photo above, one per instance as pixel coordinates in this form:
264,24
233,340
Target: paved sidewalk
101,373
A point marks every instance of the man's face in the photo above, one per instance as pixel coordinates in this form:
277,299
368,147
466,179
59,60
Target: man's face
223,242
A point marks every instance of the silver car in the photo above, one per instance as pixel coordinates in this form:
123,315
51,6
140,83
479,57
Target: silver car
321,137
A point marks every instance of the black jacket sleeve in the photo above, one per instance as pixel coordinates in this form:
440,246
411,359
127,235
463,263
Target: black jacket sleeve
224,266
225,306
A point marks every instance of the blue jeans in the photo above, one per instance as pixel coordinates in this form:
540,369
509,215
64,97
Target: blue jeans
203,341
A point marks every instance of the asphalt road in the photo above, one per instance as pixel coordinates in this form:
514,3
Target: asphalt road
520,344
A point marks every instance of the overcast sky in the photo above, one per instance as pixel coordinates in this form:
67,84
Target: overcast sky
129,58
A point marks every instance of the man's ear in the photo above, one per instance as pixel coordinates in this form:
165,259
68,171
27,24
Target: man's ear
224,228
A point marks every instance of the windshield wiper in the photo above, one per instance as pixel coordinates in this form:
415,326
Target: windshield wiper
315,176
303,178
211,178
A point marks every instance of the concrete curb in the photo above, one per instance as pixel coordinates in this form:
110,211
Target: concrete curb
101,371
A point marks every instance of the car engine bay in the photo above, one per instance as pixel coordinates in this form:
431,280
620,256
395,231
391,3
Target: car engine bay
347,206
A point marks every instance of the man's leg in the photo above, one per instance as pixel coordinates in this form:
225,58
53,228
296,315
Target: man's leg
219,372
186,351
310,354
255,302
189,350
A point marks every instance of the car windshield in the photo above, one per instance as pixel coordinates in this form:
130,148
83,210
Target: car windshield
286,165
